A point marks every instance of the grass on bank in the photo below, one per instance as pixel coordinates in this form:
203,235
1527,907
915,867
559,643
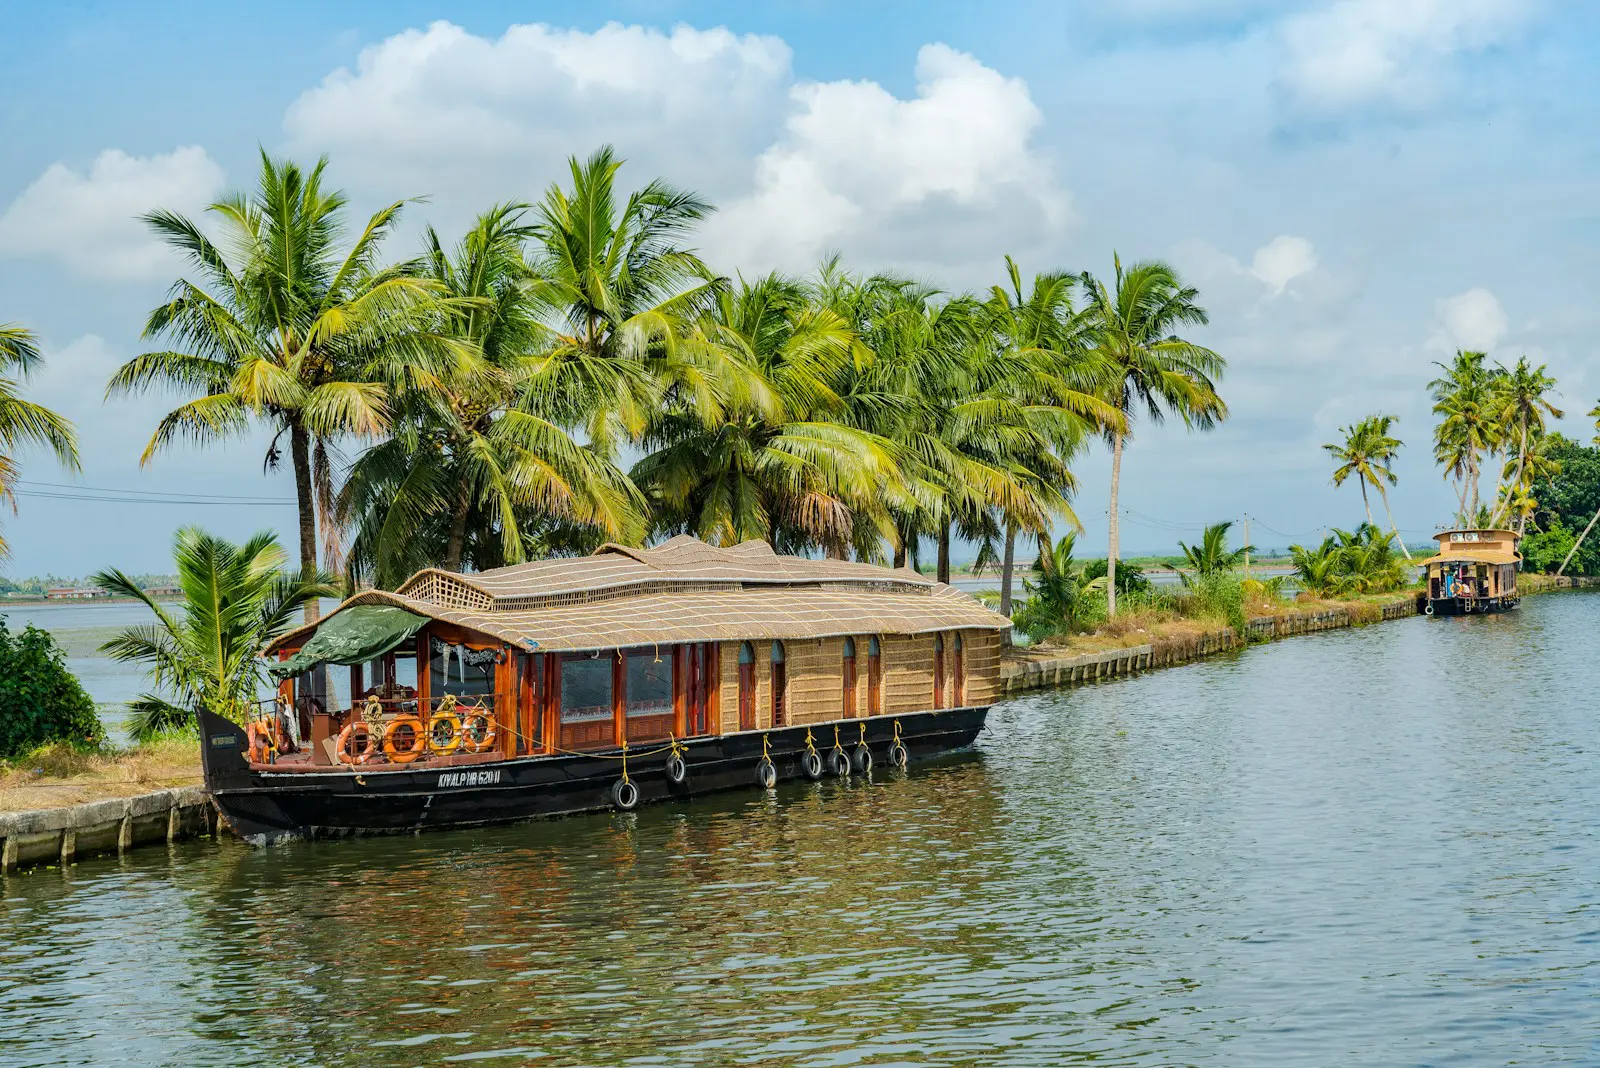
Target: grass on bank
58,774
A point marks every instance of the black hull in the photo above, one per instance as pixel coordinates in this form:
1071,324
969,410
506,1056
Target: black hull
262,806
1463,606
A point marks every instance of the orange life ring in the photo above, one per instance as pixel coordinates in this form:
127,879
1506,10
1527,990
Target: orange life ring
418,741
346,751
477,730
259,735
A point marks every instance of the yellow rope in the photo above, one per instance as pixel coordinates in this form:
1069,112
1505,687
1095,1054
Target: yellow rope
624,760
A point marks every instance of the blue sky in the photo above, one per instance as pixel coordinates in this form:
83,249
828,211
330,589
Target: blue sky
1356,186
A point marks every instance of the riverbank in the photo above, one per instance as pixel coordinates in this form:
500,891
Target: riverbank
1090,657
61,793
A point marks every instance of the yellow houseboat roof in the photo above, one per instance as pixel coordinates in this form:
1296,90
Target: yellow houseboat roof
1487,554
680,591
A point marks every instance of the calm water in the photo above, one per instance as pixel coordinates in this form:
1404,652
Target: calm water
1321,852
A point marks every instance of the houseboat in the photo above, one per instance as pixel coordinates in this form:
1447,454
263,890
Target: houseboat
606,681
1474,571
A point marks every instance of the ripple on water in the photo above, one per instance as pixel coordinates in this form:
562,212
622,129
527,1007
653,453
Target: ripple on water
1316,852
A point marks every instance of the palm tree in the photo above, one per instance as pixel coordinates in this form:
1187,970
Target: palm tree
1041,339
236,600
1316,569
768,456
284,327
473,463
1521,406
1055,588
1133,328
617,292
23,422
1466,430
1367,451
1212,556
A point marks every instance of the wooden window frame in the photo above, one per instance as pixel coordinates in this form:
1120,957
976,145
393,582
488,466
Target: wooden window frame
874,676
747,688
848,654
778,711
938,671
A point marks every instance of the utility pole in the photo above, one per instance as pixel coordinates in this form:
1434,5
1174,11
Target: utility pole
1247,545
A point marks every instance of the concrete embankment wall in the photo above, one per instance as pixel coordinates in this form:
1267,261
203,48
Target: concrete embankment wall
1036,673
61,835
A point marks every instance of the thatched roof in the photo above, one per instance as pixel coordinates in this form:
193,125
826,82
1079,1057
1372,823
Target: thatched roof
681,591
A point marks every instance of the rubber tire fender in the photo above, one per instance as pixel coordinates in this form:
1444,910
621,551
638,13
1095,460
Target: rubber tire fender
677,770
624,795
1428,609
766,773
898,756
861,758
839,762
811,764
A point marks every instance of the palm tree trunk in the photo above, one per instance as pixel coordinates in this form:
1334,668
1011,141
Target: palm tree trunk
1392,526
458,529
900,552
1516,480
944,550
1574,550
1366,503
1111,534
305,502
1008,567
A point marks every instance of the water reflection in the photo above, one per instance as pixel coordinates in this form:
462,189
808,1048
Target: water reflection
1369,847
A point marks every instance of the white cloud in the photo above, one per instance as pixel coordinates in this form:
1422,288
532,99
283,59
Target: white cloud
1364,51
91,221
1282,260
1472,320
859,168
468,118
796,167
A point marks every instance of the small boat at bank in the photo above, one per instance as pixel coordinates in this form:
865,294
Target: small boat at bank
1474,571
607,681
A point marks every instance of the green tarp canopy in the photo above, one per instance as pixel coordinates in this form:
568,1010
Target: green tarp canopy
353,636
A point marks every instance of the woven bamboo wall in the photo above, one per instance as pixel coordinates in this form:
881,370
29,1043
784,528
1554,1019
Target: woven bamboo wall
815,680
816,676
983,665
728,689
907,673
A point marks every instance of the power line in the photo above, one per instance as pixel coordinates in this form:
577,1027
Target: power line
103,499
188,495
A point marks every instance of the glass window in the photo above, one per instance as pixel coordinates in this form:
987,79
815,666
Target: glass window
873,649
649,685
747,655
585,690
849,648
777,652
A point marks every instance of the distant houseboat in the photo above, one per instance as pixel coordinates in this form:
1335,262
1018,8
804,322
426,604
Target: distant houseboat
1474,571
628,676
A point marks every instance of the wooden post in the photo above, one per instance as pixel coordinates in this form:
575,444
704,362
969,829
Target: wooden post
619,685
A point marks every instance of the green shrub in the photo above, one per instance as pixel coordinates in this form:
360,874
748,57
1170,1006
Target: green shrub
1544,551
1219,594
40,700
